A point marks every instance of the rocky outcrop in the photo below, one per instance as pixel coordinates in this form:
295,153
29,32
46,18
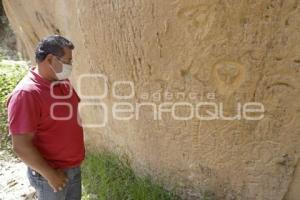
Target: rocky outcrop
8,43
224,52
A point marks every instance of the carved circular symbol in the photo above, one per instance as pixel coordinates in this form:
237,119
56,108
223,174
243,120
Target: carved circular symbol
228,76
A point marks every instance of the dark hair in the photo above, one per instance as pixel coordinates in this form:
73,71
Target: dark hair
53,44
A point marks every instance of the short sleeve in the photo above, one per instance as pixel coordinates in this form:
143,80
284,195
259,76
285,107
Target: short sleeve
76,95
23,113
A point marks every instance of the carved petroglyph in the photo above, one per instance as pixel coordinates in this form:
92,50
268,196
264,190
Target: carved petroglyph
227,48
280,90
228,76
198,19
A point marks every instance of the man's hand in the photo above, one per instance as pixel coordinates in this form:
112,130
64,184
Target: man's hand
57,180
23,147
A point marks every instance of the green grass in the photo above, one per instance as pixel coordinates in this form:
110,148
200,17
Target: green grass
106,177
11,72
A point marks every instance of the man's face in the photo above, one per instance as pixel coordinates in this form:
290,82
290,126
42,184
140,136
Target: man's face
57,62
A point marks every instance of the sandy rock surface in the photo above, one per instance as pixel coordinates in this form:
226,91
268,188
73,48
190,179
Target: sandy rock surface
240,50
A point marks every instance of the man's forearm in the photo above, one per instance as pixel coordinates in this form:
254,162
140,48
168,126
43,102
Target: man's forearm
24,148
29,154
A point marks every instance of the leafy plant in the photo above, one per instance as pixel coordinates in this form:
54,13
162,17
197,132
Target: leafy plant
106,177
10,74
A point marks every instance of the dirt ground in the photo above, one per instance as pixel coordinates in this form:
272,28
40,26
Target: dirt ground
13,181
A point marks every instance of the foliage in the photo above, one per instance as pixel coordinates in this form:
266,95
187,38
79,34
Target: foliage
106,177
11,72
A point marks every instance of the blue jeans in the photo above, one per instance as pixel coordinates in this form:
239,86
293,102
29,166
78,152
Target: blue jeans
72,191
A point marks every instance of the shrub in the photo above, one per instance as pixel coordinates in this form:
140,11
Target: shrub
11,72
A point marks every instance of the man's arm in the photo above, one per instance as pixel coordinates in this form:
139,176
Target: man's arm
28,153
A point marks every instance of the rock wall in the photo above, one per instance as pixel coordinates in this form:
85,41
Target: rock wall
241,51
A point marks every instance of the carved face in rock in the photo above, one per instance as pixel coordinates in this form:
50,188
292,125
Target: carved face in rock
228,76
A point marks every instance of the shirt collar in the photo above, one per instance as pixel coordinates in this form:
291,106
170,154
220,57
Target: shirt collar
39,79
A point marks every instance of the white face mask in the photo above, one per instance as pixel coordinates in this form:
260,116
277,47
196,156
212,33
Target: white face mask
65,73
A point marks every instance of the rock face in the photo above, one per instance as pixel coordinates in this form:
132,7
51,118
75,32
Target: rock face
224,52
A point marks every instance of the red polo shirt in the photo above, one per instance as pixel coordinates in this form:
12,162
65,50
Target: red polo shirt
49,110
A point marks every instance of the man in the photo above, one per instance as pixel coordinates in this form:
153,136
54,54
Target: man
42,115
